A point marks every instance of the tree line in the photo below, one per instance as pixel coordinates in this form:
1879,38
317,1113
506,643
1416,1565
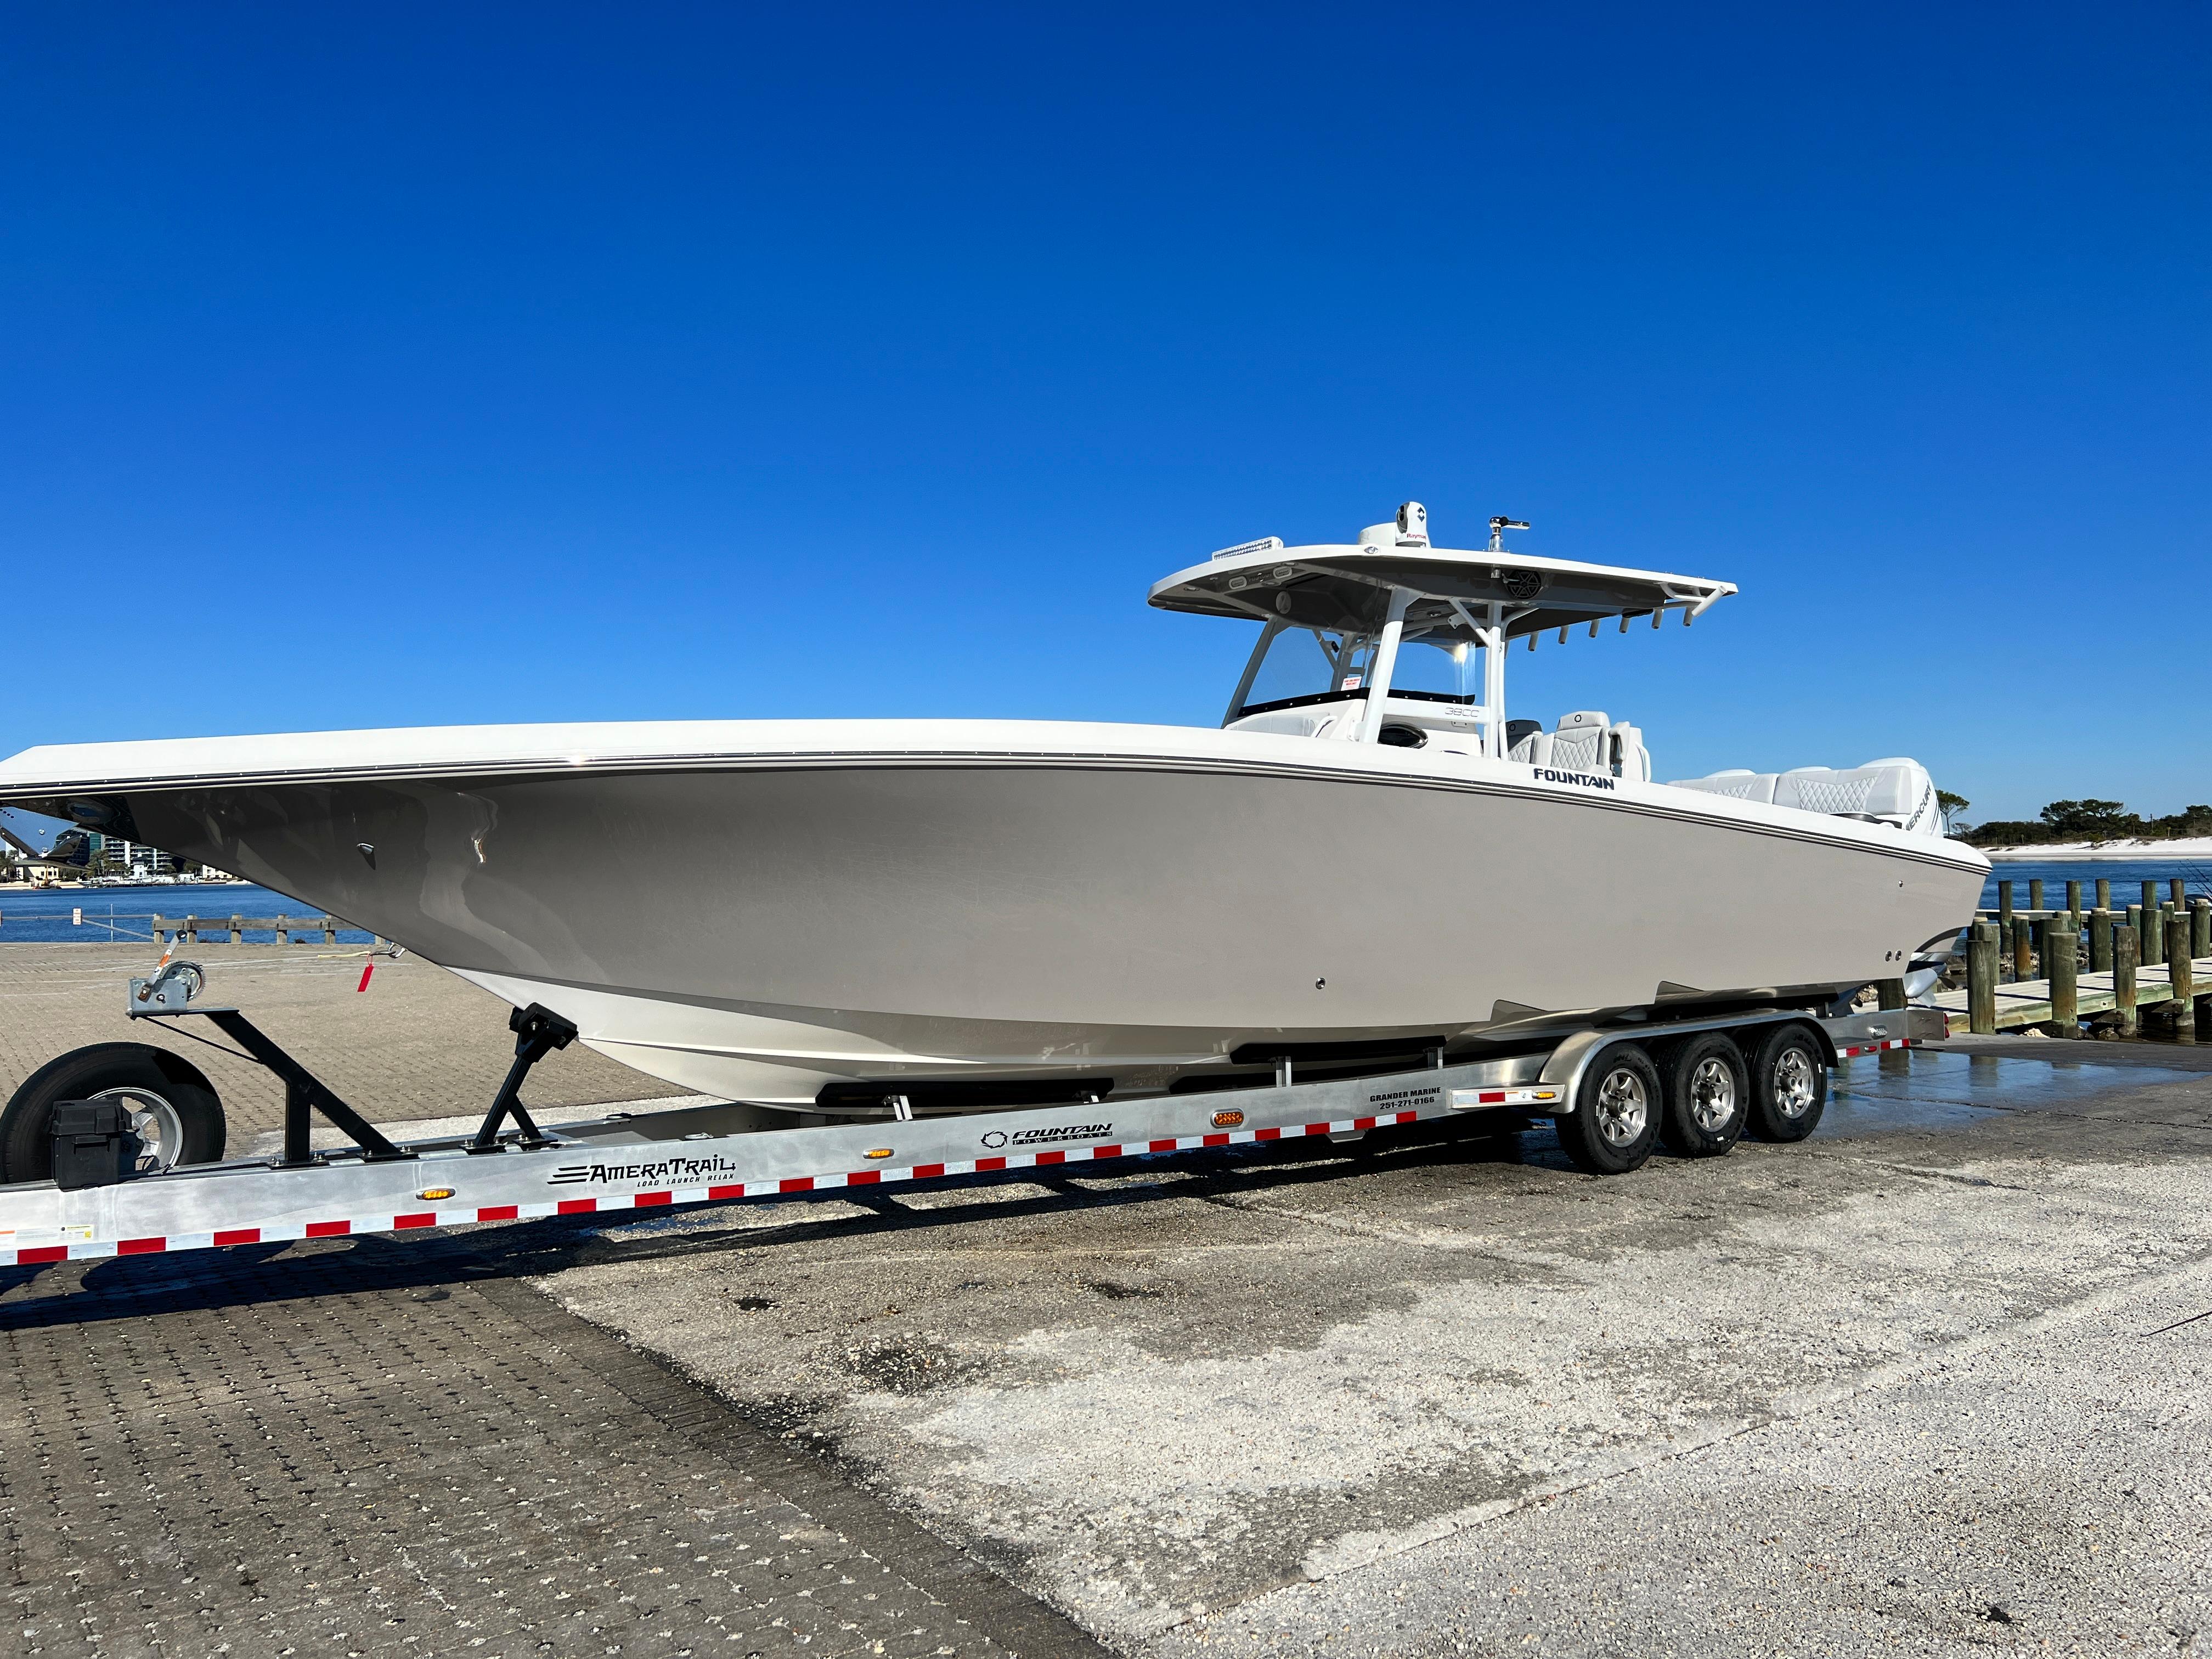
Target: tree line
2079,820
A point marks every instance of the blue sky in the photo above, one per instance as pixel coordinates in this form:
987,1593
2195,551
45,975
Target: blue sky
389,366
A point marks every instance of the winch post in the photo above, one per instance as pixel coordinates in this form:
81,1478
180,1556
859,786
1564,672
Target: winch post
537,1032
304,1092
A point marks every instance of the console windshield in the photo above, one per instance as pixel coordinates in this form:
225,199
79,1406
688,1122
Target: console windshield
1304,666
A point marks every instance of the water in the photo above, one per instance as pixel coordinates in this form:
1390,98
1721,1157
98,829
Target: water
2126,875
125,914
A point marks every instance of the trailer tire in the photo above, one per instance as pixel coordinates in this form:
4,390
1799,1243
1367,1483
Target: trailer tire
1708,1096
1615,1123
1789,1083
177,1112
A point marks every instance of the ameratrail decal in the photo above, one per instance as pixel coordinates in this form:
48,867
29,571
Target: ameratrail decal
1580,780
672,1171
1052,1135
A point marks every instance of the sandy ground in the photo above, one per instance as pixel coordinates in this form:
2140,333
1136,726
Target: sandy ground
418,1042
2109,852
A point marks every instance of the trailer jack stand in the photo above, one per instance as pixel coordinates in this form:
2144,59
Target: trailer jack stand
537,1032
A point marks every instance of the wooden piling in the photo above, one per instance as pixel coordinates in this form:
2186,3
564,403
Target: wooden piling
2104,892
2200,928
2153,931
2181,973
2023,949
2150,898
2100,940
2073,896
1889,994
1982,979
2035,893
2061,962
238,930
2177,889
2123,977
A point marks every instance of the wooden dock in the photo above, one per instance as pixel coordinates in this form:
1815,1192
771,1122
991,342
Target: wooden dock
2028,1002
2055,968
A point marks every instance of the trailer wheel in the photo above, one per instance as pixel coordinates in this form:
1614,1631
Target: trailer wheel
1789,1083
173,1107
1615,1121
1708,1096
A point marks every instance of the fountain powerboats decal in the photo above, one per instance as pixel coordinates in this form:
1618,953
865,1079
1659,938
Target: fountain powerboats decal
1366,857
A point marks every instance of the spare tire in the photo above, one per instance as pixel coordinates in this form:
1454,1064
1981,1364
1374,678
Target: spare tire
173,1107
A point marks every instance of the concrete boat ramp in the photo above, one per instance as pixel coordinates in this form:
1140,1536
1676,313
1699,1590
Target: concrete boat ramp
1935,1380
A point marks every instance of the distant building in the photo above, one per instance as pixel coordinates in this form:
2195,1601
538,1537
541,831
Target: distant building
132,857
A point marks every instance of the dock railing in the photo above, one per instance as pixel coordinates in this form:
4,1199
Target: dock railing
215,930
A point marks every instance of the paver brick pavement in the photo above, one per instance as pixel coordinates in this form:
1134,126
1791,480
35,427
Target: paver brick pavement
379,1449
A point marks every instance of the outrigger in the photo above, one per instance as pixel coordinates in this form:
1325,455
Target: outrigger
116,1149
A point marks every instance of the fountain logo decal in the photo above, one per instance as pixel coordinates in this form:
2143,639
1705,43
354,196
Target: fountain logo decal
1046,1137
1580,780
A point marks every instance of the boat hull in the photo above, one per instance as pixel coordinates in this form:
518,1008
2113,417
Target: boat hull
757,926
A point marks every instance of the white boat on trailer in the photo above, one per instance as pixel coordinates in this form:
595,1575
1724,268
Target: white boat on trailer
862,920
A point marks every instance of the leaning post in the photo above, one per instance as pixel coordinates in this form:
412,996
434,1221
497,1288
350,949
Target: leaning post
2061,966
2123,978
1982,979
2100,941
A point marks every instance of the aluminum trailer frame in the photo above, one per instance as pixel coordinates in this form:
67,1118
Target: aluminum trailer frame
724,1152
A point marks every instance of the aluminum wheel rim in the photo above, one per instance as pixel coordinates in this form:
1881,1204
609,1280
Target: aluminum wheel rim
1793,1084
1623,1107
160,1130
1712,1093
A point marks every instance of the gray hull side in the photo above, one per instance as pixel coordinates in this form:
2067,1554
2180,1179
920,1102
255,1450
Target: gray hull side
1034,915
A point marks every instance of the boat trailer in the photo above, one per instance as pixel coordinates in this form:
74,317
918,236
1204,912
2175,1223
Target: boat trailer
1608,1088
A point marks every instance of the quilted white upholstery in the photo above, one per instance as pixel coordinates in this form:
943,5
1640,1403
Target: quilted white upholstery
1895,790
1579,744
1737,783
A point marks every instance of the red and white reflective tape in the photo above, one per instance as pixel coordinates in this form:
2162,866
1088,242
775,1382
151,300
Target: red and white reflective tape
282,1233
1530,1095
1873,1048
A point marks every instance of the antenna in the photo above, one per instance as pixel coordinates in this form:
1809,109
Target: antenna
1498,527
